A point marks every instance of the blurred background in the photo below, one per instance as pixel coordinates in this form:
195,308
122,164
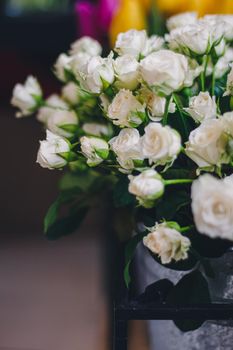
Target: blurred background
52,295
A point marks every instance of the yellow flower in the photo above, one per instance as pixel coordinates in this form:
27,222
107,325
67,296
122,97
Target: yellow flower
227,6
172,6
147,4
130,15
203,7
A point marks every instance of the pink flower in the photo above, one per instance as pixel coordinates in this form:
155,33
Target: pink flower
105,12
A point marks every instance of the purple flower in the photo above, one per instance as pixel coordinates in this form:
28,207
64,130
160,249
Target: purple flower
105,11
86,17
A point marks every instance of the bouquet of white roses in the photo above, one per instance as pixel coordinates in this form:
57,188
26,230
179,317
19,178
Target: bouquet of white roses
152,124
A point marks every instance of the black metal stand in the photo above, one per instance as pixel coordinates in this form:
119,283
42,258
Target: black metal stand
127,308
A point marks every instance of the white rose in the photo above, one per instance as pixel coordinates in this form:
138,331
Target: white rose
126,110
147,187
229,87
156,104
127,72
99,74
87,45
160,144
167,243
202,107
63,122
94,149
132,42
127,147
26,97
48,154
52,103
70,93
62,65
96,129
196,38
79,64
227,122
212,206
223,21
154,43
165,71
181,20
223,64
207,144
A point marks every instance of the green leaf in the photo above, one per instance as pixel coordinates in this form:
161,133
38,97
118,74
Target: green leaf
102,153
72,128
53,211
66,225
129,253
191,289
82,180
121,195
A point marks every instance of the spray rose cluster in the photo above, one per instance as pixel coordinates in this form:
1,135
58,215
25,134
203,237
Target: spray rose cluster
157,112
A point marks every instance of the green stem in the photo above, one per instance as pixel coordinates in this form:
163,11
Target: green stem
177,181
203,74
182,115
213,83
166,110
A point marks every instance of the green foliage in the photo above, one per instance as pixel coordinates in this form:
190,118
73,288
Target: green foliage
171,203
129,253
121,195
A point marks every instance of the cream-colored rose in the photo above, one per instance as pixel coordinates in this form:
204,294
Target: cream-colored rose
63,122
181,20
221,23
86,45
154,43
160,144
147,187
70,93
229,87
127,147
167,243
212,206
99,74
207,144
127,72
165,71
94,149
79,64
223,64
62,65
132,42
26,97
96,129
202,107
53,102
227,123
48,154
155,104
126,110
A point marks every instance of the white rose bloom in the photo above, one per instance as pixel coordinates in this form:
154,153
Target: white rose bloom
227,122
26,97
62,64
126,110
70,93
154,43
155,104
165,71
212,206
225,21
207,144
147,187
132,42
202,107
63,122
181,20
53,102
167,243
160,144
127,72
87,45
48,154
127,147
104,102
229,88
99,74
94,149
223,64
96,129
79,64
